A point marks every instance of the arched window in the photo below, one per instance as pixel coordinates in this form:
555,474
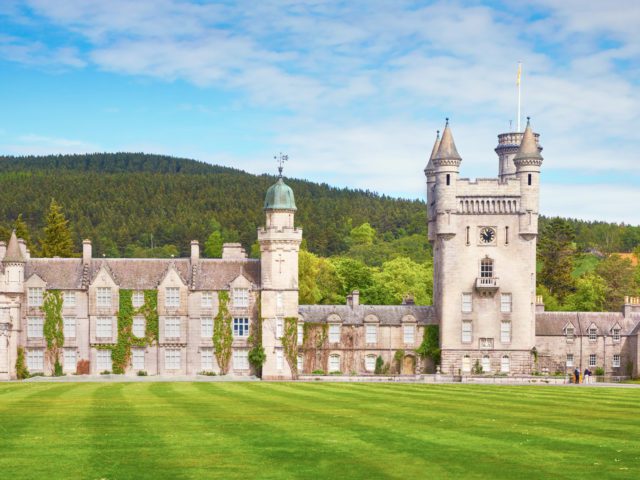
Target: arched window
466,364
505,364
486,268
334,363
300,364
370,363
486,364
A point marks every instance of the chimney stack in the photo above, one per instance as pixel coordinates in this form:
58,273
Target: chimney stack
353,299
3,249
195,251
631,305
87,252
23,248
539,304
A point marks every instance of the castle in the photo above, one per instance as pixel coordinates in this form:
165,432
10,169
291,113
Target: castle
160,316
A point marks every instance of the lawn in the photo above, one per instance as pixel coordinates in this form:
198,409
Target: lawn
313,430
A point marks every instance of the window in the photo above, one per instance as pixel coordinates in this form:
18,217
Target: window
468,235
505,332
103,360
616,335
505,364
137,359
172,327
467,303
466,364
486,364
486,268
206,300
69,299
172,359
103,297
172,297
35,360
206,327
448,179
34,297
206,359
506,235
300,364
241,327
592,360
593,334
334,333
467,331
279,327
103,327
139,326
529,179
300,333
505,302
570,332
334,363
137,299
616,361
279,360
370,363
409,333
371,333
69,327
34,327
240,360
241,297
569,359
69,360
279,302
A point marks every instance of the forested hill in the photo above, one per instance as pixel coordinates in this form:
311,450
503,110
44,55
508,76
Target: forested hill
126,198
122,200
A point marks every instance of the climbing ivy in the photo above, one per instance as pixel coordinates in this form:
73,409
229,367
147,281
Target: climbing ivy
314,335
430,346
257,355
22,371
121,351
222,333
53,328
289,342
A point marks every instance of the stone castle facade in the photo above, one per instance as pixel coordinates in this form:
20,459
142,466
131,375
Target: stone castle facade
483,233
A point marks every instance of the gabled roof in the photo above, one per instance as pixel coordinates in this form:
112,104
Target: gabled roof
58,273
386,314
554,323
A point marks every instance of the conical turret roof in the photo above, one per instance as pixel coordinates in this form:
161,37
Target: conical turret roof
13,254
529,149
447,148
430,168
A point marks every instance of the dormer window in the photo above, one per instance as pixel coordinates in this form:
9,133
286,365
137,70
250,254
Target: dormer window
103,297
593,334
570,333
172,297
616,334
34,297
241,297
486,268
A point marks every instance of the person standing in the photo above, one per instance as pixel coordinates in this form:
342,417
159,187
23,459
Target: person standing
576,376
586,377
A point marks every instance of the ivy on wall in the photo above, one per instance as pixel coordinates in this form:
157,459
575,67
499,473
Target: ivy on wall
257,355
121,351
315,335
22,371
222,332
430,346
53,328
289,342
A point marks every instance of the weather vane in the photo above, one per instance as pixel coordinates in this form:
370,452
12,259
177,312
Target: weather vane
281,159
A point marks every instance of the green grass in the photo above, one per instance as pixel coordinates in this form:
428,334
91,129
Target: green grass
313,430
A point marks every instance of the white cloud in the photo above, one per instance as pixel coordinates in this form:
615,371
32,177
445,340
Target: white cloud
33,144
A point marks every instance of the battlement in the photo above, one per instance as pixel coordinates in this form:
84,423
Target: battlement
487,186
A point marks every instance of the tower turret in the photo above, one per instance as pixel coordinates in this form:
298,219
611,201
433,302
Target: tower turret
13,262
430,173
447,166
279,246
527,162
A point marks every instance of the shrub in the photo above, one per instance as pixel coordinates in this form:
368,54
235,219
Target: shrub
57,369
477,368
318,372
208,374
105,372
379,365
22,371
142,373
599,371
335,373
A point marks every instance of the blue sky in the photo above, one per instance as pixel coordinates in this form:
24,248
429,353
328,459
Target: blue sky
353,91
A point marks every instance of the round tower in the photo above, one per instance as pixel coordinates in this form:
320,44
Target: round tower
13,262
447,167
508,145
527,162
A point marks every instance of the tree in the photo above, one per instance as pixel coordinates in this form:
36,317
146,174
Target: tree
22,231
57,240
400,278
589,296
352,275
317,280
362,235
556,252
619,275
213,244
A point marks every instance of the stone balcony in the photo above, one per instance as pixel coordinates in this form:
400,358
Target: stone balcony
487,284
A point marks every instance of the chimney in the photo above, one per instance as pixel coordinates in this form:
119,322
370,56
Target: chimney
3,249
539,304
23,248
195,251
233,251
408,300
631,305
86,252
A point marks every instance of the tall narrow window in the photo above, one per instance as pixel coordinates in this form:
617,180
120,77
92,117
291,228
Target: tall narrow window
334,333
172,297
69,327
529,180
334,363
206,327
34,298
593,334
486,364
69,360
505,302
466,364
616,361
300,364
104,328
139,326
468,235
137,359
172,327
103,297
103,360
467,332
505,364
300,333
616,335
486,268
570,332
137,299
467,303
172,359
206,300
279,359
448,179
371,333
279,327
505,332
35,327
569,359
409,334
506,235
592,360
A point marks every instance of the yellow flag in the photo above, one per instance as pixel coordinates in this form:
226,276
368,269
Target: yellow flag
519,73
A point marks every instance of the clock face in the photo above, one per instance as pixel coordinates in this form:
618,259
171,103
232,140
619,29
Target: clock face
487,235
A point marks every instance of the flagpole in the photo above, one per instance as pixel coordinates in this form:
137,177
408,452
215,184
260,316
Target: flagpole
518,82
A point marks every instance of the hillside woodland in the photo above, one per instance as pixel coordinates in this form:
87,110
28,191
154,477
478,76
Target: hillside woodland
140,205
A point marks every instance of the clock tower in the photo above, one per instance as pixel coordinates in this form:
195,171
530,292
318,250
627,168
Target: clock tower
483,234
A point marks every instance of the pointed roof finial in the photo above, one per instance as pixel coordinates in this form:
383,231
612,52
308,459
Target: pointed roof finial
280,159
447,148
13,253
529,149
429,169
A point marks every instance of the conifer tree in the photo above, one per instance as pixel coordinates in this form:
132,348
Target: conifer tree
556,251
22,231
57,240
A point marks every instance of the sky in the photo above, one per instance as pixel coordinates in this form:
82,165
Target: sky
353,91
